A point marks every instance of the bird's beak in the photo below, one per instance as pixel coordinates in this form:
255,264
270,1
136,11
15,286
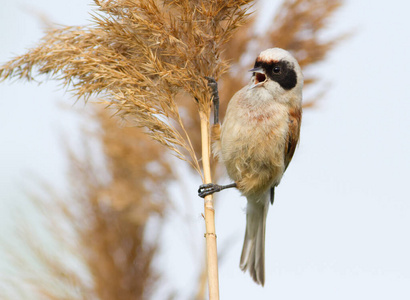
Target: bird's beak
259,77
258,70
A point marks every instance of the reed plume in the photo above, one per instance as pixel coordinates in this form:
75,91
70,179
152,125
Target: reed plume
137,56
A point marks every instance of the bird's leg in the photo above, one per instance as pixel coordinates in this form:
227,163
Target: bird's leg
215,97
210,188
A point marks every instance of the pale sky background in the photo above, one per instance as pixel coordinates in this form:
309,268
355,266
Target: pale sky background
340,225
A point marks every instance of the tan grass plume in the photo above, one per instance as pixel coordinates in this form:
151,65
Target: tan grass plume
138,55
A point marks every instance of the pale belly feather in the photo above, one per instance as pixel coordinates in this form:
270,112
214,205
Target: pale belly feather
253,151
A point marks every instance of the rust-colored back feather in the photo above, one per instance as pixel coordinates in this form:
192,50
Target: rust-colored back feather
295,117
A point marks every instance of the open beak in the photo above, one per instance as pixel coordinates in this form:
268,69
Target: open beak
259,77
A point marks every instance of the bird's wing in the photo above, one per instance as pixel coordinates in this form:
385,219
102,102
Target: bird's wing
272,194
295,117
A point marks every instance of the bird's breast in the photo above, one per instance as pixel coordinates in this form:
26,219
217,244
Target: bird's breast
253,143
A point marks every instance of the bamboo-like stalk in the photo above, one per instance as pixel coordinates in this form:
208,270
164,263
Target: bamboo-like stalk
209,213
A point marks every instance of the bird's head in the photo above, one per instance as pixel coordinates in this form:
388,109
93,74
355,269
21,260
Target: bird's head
277,71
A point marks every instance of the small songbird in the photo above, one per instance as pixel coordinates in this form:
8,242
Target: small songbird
256,144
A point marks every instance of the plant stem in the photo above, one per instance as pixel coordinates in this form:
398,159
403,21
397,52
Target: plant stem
210,235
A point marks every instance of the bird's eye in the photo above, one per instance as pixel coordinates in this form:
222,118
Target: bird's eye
276,69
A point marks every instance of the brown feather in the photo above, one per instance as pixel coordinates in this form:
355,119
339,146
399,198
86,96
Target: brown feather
295,117
216,132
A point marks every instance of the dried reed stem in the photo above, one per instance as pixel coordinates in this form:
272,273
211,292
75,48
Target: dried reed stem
210,235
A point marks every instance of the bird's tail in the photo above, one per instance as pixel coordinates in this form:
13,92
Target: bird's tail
253,251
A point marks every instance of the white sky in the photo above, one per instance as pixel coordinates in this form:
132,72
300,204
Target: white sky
339,228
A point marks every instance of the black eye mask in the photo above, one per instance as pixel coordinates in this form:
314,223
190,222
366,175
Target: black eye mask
282,72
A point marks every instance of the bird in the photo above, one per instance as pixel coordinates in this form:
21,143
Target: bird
256,143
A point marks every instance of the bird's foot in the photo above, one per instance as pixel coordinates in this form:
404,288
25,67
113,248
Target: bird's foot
210,188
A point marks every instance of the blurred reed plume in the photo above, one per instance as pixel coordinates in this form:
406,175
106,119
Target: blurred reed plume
119,255
298,26
100,223
148,60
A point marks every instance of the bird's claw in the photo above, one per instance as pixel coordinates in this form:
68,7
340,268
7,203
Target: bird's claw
214,87
211,82
208,189
215,97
